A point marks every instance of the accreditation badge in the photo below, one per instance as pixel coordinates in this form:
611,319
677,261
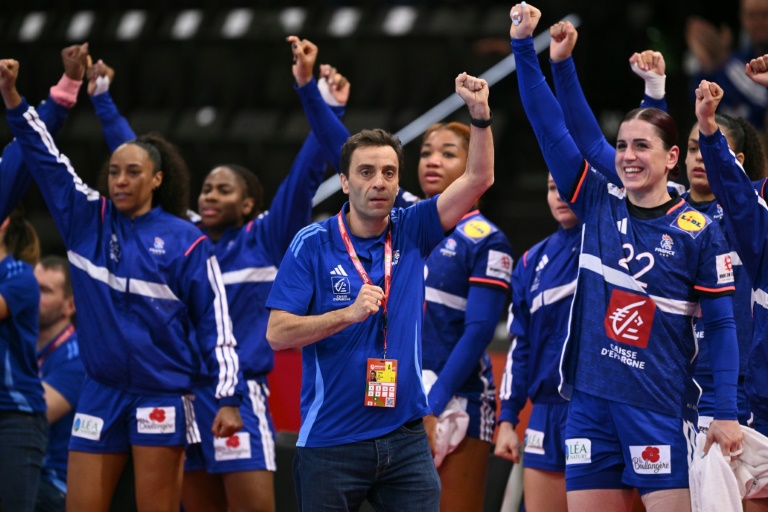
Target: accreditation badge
381,383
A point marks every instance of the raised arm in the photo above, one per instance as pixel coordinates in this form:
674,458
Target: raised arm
561,154
746,213
114,126
460,195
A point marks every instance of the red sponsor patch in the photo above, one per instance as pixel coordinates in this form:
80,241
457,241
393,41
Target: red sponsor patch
234,441
651,454
629,318
157,415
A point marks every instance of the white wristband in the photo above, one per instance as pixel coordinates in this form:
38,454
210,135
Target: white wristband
325,92
655,84
102,85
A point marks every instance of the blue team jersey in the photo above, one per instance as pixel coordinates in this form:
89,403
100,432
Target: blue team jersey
742,298
543,284
62,369
21,389
477,253
140,284
631,337
746,219
317,276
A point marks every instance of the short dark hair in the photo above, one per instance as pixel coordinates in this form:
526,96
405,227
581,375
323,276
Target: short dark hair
370,138
173,192
747,141
665,128
21,239
62,265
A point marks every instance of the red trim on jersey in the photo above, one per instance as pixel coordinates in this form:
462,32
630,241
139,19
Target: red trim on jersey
473,212
715,290
678,205
584,171
525,259
103,207
489,281
249,226
193,245
762,189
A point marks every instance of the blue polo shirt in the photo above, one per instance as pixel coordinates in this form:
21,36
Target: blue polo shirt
317,276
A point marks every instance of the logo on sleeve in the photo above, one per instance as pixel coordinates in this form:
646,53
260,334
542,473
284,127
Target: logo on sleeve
629,318
691,222
651,460
578,451
158,247
88,427
449,249
534,441
156,420
237,446
724,264
475,230
499,265
340,284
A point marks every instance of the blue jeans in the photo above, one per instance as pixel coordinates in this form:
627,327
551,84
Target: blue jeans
50,498
23,440
394,472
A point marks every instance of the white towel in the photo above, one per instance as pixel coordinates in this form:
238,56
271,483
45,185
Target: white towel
452,423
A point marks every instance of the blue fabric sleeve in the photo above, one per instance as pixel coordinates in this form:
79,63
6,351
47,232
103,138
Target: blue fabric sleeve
561,154
291,208
717,314
14,175
74,207
649,102
326,126
115,127
514,386
204,295
484,308
581,122
746,214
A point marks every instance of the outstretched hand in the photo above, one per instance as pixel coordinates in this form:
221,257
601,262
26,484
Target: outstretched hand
9,72
474,92
564,36
75,60
757,70
304,58
524,17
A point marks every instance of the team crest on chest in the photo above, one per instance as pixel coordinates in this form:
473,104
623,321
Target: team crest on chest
666,246
449,249
158,247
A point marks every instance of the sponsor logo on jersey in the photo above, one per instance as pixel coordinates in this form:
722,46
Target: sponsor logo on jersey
396,257
477,229
629,318
499,265
449,249
691,222
156,420
340,284
651,460
666,246
724,264
534,441
88,427
237,446
578,451
114,249
719,214
158,247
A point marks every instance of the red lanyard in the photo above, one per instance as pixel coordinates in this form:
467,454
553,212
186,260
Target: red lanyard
56,343
361,270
